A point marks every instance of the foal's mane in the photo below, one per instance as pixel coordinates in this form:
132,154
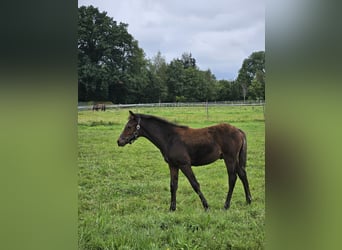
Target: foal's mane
160,120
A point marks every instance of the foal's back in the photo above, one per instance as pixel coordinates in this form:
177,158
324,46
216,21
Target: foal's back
206,145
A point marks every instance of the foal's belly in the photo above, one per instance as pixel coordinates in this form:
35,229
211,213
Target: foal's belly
205,155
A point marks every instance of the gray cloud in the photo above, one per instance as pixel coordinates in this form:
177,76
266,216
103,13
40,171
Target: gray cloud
218,33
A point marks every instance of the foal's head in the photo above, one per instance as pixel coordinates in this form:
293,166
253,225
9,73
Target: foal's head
131,130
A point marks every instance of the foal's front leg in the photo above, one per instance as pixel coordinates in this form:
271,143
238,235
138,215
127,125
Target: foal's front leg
187,171
173,186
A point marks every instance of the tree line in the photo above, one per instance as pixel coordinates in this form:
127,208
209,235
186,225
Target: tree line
112,67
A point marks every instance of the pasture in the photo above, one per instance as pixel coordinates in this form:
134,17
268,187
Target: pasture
124,193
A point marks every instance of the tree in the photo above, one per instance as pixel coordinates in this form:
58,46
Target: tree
192,82
223,90
257,87
91,53
250,66
175,76
188,61
110,62
157,68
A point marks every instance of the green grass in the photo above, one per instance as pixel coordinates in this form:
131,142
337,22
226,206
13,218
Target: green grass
124,192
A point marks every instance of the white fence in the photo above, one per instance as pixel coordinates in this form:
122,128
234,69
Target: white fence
178,104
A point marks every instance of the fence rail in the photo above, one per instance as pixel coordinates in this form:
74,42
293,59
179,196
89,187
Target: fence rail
178,104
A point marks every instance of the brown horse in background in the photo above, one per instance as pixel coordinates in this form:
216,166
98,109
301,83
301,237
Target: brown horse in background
99,106
183,147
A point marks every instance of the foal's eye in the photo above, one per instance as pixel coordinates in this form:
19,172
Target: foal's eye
129,126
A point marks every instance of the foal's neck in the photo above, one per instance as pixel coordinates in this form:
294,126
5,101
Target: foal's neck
157,133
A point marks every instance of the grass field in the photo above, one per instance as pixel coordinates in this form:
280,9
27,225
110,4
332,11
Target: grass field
124,192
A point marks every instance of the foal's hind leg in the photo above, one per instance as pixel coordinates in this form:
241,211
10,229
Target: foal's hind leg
231,169
187,171
243,177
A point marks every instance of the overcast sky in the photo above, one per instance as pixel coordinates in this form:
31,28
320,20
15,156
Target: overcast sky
220,34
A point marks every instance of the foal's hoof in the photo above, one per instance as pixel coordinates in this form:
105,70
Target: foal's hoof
226,207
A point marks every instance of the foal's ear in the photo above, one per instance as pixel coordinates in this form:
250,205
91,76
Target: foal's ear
132,115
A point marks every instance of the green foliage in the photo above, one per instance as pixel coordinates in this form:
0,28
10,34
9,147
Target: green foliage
157,86
188,61
227,90
110,62
124,192
188,83
256,90
253,69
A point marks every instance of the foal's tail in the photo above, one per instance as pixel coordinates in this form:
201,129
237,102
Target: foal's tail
243,151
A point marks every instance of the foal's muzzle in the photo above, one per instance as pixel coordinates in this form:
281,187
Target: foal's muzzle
121,142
